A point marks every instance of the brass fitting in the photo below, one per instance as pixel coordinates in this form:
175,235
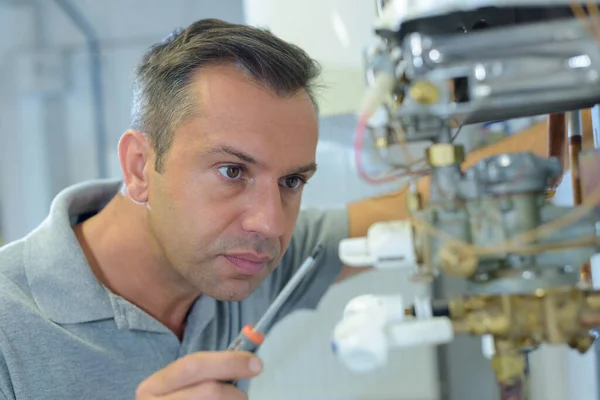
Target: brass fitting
509,368
414,201
458,308
381,142
425,93
444,154
559,315
481,323
582,344
508,362
593,301
520,322
457,261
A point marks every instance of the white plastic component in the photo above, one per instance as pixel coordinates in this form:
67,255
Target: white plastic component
379,118
360,343
418,332
488,348
384,309
423,308
372,324
387,245
376,95
354,252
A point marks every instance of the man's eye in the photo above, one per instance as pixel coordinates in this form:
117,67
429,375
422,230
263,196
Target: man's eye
293,182
231,172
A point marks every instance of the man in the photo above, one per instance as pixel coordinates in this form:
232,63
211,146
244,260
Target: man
133,288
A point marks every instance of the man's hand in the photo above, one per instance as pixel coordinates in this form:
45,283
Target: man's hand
201,376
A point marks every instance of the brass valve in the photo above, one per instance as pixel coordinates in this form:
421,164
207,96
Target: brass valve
554,316
520,322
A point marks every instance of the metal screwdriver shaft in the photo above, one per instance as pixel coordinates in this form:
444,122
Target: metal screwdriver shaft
287,290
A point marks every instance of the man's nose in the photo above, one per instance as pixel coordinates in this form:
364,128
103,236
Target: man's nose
265,216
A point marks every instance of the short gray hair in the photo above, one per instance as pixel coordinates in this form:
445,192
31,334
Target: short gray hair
161,99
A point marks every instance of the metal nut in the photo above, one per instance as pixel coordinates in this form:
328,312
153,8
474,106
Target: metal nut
443,155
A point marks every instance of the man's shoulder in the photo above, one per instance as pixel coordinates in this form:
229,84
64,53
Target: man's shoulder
15,293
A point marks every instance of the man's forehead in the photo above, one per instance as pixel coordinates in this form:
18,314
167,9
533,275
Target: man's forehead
236,114
226,91
273,149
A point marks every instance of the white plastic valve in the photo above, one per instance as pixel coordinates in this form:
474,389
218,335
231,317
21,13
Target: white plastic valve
387,245
388,308
359,342
419,332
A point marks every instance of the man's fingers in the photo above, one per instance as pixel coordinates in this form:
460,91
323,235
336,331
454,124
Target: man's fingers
200,367
208,390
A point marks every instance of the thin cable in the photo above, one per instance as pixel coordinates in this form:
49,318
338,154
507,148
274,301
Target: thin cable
519,243
419,162
358,147
453,138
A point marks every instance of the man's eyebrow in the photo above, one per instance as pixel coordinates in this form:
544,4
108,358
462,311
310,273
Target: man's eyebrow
234,152
308,168
224,149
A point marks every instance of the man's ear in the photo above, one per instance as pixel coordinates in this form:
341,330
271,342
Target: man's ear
135,155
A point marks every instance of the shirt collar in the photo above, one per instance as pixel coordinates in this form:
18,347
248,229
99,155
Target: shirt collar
61,281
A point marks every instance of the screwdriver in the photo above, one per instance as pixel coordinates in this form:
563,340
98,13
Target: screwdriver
251,337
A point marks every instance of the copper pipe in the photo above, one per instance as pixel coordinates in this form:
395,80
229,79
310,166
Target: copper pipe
518,388
511,367
557,135
575,146
575,143
557,147
515,391
585,274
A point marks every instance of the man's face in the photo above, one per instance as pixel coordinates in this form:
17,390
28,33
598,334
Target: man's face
224,207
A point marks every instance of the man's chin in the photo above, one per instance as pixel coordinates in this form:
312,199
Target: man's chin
233,290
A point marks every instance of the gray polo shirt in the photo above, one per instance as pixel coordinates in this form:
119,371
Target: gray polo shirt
63,335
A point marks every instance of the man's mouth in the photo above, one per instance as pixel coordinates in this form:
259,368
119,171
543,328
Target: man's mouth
248,263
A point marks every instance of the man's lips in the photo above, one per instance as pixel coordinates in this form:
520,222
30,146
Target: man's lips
248,263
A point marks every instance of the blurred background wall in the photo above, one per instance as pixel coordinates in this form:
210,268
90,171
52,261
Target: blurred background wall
60,117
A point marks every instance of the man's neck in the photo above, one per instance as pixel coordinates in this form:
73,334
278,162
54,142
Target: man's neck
125,258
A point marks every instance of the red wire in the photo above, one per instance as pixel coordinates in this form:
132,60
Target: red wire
359,138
